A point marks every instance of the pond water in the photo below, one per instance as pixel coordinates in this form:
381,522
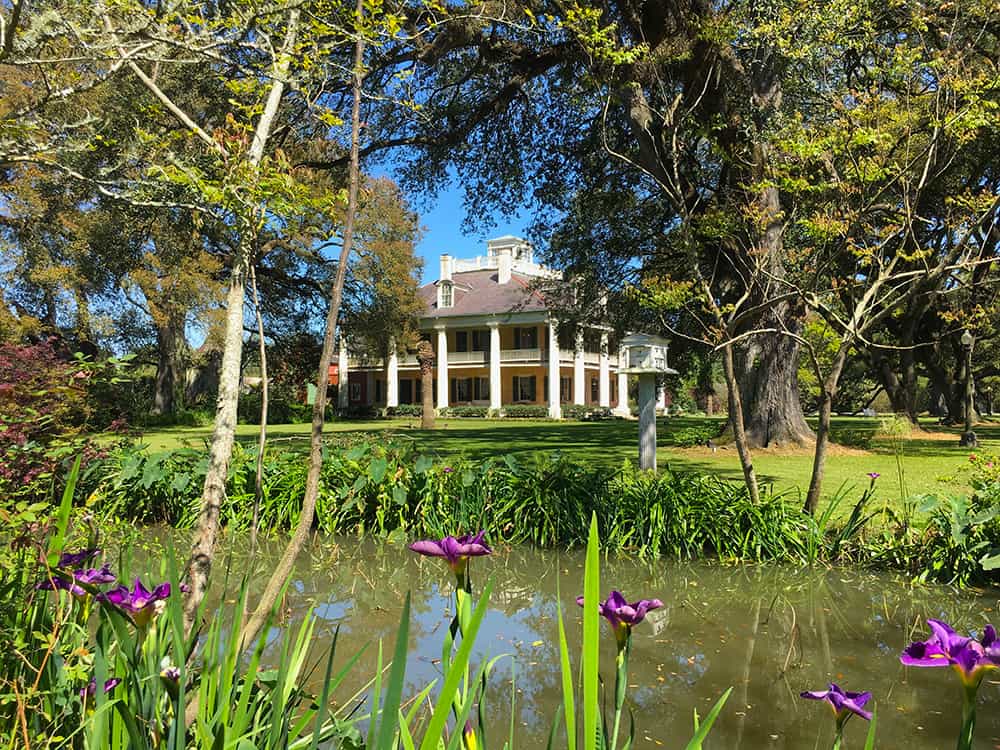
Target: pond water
768,631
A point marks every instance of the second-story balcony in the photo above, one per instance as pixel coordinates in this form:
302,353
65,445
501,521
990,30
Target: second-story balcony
507,356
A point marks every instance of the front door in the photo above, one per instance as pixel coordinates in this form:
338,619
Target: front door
406,391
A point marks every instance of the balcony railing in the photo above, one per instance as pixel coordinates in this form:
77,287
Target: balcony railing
528,356
468,358
524,355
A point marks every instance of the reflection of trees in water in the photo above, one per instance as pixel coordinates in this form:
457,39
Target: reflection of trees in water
770,631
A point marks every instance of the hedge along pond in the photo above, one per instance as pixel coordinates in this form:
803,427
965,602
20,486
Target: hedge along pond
769,631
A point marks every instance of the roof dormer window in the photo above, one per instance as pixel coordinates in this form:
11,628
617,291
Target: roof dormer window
446,294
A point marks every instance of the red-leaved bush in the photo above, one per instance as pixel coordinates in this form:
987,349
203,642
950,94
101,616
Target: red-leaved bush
43,405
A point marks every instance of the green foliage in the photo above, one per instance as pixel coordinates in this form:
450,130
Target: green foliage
690,437
62,641
526,411
854,438
583,412
405,410
960,542
477,412
544,501
285,405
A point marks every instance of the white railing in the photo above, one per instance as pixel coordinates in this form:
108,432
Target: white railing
478,263
463,358
524,355
532,356
487,262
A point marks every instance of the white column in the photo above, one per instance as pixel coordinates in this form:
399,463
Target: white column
343,384
647,421
604,376
496,387
622,409
554,409
392,376
661,399
579,384
441,356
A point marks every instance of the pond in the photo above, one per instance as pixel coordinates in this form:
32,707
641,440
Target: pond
770,632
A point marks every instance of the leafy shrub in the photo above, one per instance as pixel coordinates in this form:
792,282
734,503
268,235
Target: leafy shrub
854,438
358,412
181,418
284,406
960,542
46,402
405,410
387,489
526,411
585,413
479,412
689,437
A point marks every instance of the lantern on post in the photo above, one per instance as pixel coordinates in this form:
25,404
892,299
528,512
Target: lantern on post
968,439
647,358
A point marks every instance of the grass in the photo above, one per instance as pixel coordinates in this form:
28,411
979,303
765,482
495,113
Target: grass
932,459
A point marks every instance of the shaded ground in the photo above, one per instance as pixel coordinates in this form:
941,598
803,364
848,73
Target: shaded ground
929,461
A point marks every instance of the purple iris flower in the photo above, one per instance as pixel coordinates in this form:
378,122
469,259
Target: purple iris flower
91,688
843,703
140,603
58,583
970,658
873,475
455,550
73,559
622,615
95,576
90,576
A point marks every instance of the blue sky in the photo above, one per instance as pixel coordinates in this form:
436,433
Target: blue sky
442,216
442,219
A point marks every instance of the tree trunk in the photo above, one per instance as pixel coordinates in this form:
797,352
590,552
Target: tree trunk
283,569
736,423
167,391
258,485
425,355
769,376
829,392
772,407
220,449
891,383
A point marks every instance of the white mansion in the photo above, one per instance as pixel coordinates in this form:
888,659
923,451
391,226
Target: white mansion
496,344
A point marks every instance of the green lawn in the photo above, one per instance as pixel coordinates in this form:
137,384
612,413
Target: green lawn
931,461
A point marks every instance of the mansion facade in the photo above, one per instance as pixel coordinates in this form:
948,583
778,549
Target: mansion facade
496,344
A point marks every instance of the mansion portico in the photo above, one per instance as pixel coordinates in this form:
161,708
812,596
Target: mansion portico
496,344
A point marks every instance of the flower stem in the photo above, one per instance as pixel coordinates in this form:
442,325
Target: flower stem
968,718
621,682
839,737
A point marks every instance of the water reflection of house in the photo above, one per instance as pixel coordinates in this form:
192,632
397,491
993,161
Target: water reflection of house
497,343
